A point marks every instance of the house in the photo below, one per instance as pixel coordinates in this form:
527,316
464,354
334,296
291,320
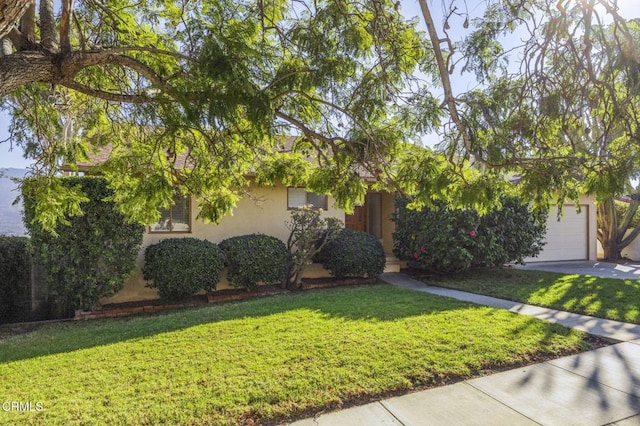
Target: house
573,236
264,211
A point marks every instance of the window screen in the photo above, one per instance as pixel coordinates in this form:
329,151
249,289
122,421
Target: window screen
174,219
298,197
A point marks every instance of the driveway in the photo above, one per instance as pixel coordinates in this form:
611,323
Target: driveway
629,270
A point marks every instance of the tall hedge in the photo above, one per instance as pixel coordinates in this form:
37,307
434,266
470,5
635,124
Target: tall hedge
92,255
255,259
15,281
442,239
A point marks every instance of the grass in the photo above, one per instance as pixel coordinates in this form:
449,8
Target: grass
266,359
610,298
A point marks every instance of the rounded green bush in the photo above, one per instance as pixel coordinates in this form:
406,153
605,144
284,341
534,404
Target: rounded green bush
254,259
353,253
181,267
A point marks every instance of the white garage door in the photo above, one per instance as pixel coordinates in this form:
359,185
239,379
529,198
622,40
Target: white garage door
567,239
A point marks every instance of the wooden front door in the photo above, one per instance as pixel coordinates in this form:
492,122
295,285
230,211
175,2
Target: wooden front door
357,220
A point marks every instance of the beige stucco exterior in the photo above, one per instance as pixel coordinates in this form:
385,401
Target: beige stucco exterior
263,210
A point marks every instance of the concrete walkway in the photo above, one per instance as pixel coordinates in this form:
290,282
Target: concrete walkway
599,387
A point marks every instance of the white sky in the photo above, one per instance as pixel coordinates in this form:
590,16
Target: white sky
410,8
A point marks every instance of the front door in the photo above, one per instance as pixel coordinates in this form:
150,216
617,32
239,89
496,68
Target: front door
357,220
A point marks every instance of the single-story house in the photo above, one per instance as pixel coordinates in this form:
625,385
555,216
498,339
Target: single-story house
573,236
264,211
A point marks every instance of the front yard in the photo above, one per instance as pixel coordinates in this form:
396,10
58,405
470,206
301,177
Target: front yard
267,359
609,298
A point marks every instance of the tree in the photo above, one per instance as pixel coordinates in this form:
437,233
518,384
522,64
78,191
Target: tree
193,95
203,84
564,114
618,225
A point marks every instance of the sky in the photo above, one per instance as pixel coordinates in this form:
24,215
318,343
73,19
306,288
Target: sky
410,8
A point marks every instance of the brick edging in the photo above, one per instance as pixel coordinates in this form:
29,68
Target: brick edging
213,298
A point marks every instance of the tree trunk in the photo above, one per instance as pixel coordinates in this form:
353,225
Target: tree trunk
20,69
10,12
48,33
610,250
615,237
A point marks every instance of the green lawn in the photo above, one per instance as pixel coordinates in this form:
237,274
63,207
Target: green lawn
268,359
610,298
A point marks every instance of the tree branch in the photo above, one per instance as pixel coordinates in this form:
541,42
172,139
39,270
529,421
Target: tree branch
11,12
28,25
48,34
443,72
107,96
65,26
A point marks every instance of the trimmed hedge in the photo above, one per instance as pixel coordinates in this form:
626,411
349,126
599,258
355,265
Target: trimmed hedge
92,255
254,259
353,253
15,285
181,267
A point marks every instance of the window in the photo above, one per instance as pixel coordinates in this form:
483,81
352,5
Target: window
174,219
298,197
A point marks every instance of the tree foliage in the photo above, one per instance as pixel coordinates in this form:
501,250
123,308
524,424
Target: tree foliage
197,94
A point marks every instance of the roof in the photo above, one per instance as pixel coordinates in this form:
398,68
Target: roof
100,155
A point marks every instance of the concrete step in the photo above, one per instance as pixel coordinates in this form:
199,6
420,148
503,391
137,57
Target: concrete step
392,264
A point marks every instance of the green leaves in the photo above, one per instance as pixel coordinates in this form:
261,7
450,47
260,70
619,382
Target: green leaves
90,254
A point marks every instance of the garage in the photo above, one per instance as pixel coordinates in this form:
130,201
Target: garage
567,239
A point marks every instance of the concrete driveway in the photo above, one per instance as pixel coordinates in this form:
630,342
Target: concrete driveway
629,270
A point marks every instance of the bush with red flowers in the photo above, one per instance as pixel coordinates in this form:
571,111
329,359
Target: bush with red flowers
444,240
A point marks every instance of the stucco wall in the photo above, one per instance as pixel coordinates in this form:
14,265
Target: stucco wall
263,211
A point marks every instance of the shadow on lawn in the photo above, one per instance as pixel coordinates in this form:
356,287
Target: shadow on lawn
610,298
371,303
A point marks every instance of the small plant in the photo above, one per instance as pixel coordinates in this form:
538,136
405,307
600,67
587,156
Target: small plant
254,259
309,234
181,267
353,253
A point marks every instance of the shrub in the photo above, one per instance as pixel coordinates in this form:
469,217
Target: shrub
181,267
309,234
15,285
441,239
353,253
254,259
92,254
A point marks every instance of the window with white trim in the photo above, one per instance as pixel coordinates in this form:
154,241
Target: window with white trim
298,197
176,218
